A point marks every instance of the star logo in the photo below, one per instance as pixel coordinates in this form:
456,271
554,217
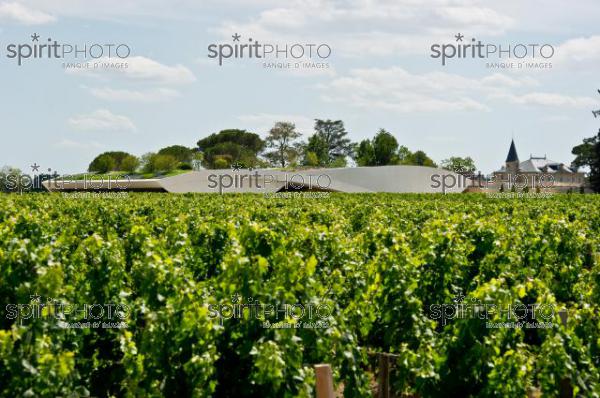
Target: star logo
35,298
236,37
459,37
34,167
236,166
458,298
35,37
235,298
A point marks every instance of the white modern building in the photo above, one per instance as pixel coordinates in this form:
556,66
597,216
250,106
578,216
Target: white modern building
400,179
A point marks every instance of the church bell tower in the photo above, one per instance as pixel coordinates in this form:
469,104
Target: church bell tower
512,160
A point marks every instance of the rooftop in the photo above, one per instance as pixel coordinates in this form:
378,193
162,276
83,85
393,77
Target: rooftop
512,153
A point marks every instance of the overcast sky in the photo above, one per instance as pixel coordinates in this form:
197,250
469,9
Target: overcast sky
380,74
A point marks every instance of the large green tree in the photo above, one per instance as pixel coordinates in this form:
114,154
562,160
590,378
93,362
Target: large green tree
181,153
334,135
281,138
364,153
130,164
417,158
380,151
587,154
112,161
459,165
103,164
158,163
231,146
384,148
404,154
316,152
420,158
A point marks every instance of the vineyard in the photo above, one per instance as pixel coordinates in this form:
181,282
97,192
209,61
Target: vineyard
155,295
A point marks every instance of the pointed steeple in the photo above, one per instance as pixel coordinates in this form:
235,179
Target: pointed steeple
512,153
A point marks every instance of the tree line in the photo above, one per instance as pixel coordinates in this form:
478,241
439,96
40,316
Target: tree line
587,155
328,146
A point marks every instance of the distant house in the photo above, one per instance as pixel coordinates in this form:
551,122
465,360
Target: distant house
537,172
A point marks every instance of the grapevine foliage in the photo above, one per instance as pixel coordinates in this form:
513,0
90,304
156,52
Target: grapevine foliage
378,261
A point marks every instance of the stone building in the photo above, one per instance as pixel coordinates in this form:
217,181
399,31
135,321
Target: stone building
536,172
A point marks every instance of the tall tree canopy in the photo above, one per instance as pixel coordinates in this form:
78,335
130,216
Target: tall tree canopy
420,158
181,153
231,146
334,135
364,153
316,152
158,163
113,161
384,148
459,165
588,155
380,151
281,138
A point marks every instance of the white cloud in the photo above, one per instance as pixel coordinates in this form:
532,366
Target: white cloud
117,10
283,18
147,69
143,69
579,49
319,68
475,18
20,13
152,95
382,44
500,80
396,89
101,120
370,27
550,99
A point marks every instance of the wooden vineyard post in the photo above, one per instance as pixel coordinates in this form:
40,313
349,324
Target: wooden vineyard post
566,389
384,376
563,316
324,377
